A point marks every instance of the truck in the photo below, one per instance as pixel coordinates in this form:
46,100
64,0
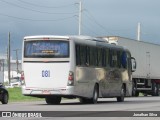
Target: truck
146,78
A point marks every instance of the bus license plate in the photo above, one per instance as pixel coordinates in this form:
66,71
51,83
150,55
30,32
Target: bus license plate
46,92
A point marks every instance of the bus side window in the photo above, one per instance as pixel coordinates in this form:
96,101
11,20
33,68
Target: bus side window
99,57
91,60
110,56
107,57
112,64
113,58
78,55
93,56
83,55
119,53
124,59
129,64
96,56
87,55
104,58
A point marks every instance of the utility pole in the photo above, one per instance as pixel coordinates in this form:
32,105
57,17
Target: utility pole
80,18
16,50
9,57
2,68
139,32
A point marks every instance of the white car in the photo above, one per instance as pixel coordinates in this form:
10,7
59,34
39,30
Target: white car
15,82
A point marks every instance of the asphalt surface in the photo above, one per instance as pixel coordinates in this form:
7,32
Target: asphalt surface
145,107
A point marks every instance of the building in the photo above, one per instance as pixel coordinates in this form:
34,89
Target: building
15,68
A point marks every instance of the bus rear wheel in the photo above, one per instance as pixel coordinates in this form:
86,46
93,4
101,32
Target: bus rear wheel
54,100
92,100
84,100
121,97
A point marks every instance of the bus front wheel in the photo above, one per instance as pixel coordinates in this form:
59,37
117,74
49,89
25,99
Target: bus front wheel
121,97
155,89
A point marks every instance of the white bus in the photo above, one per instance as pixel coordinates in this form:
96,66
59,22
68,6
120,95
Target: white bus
75,66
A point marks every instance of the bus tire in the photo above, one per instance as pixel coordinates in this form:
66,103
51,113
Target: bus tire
137,94
53,100
121,97
134,89
158,92
94,99
155,89
145,94
84,100
4,98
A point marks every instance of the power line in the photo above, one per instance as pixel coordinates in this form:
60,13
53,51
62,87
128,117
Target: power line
91,17
33,9
80,20
36,5
90,30
95,21
27,19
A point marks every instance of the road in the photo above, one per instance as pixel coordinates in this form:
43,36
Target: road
105,107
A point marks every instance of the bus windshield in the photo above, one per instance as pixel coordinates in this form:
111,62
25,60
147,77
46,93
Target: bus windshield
46,49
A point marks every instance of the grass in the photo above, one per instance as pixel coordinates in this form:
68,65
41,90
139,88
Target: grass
15,95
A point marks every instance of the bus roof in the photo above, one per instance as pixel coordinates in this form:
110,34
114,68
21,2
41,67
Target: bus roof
46,36
77,37
99,41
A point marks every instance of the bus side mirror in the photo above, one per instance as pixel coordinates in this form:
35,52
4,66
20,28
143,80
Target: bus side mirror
134,64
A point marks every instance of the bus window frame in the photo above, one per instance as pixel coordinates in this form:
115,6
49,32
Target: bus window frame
47,56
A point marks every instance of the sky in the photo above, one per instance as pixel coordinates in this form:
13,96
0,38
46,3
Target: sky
60,17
